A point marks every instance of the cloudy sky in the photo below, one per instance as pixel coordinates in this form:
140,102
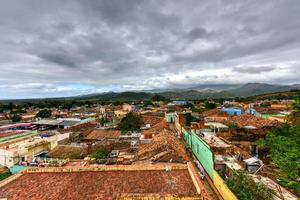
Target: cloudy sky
71,47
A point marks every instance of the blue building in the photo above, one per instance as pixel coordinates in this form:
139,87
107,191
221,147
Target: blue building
232,111
179,102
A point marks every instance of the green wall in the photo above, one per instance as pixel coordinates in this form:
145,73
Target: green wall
267,116
201,150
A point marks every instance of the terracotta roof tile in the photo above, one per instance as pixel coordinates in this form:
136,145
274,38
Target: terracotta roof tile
99,185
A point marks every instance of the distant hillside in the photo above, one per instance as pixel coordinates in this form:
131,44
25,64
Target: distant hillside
215,88
293,94
251,89
112,96
194,94
199,92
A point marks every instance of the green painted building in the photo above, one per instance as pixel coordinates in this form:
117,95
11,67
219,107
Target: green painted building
201,150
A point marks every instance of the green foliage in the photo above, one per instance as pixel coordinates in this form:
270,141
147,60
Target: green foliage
147,103
190,118
67,105
131,122
9,106
198,110
246,188
101,154
265,104
16,118
18,111
210,105
284,150
44,113
189,105
158,97
233,126
117,103
294,117
103,121
219,100
296,105
4,175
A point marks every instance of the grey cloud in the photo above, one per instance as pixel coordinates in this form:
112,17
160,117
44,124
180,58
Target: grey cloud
60,58
139,43
254,69
197,33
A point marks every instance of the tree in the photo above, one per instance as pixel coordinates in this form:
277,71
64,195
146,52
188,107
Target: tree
210,105
246,188
158,97
283,148
44,113
103,121
190,118
16,118
67,105
189,105
147,103
265,104
131,122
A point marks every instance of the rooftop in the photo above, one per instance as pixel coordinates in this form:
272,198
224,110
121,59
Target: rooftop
101,134
250,120
111,184
151,119
214,141
17,137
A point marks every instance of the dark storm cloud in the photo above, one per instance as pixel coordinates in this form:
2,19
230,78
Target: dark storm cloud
144,44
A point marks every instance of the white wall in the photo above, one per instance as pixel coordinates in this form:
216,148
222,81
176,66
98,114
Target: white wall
6,158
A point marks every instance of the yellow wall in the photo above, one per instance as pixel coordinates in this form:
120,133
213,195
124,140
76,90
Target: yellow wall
223,189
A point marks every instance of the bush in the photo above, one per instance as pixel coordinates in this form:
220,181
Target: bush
101,155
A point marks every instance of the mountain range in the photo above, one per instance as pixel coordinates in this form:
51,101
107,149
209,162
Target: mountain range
196,92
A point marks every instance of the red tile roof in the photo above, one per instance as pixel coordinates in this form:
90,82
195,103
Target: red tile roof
250,120
151,119
99,185
99,134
